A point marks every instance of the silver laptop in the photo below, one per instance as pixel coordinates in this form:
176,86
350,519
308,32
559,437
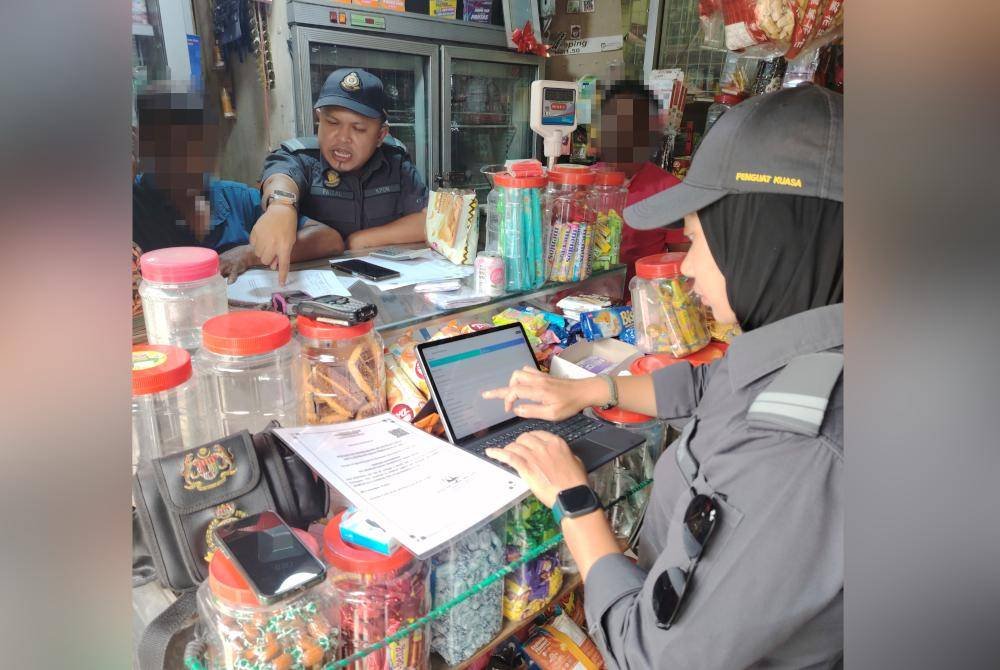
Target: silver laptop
459,369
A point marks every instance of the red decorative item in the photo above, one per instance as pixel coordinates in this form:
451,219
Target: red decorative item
525,40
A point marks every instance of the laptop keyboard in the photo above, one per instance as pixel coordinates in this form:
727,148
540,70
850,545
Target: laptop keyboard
571,429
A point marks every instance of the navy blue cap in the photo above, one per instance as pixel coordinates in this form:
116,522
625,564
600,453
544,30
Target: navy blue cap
355,89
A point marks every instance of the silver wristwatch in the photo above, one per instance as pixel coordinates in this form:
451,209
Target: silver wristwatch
283,197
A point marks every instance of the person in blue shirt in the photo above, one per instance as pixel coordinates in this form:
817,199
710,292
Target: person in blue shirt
176,200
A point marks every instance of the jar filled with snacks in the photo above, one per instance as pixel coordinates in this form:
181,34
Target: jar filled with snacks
170,413
249,364
520,231
469,559
181,288
610,193
378,595
618,477
571,215
241,632
668,317
343,372
530,587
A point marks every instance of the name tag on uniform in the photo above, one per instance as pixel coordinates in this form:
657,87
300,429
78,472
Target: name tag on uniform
382,190
331,193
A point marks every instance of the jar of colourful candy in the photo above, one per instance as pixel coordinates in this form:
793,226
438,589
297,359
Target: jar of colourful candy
668,317
611,194
378,595
570,215
520,238
530,587
471,625
242,634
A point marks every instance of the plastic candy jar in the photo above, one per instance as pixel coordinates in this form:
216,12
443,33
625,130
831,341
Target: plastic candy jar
241,632
181,289
343,372
529,588
667,316
169,411
378,595
571,215
520,231
249,365
611,194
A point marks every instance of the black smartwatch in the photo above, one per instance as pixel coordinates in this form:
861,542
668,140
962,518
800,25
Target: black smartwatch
575,502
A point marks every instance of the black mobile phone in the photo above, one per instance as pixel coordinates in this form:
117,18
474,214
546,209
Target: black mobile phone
275,563
336,309
364,269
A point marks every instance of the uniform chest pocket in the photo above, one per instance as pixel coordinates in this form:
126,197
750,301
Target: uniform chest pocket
382,205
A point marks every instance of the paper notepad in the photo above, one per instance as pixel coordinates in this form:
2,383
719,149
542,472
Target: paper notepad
424,491
256,286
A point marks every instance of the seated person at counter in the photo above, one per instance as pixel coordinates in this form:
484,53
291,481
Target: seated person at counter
630,134
353,177
177,201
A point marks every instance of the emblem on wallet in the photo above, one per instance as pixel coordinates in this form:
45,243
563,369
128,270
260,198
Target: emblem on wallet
224,513
208,468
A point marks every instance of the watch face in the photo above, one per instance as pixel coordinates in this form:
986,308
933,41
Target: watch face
577,498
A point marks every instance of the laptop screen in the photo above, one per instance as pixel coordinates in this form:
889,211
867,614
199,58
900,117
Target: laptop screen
460,369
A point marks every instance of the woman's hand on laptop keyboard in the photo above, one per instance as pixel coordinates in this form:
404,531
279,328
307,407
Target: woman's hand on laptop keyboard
546,397
545,463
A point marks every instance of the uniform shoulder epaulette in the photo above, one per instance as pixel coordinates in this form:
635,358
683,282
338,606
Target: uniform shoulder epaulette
391,144
798,397
300,144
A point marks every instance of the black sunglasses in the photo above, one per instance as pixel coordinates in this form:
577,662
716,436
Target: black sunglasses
700,519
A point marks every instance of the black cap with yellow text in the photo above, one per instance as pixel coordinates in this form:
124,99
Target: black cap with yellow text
790,141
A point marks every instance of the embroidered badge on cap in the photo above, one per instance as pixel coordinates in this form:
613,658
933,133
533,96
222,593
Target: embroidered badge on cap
351,83
208,468
224,513
331,179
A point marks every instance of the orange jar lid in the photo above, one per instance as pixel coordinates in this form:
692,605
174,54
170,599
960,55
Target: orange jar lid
358,560
158,367
650,362
246,333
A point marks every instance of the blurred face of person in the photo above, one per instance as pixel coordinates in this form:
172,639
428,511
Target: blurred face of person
699,265
630,132
348,139
179,154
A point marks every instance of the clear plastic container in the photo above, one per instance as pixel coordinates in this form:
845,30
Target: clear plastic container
343,372
181,289
378,595
240,632
571,215
630,469
529,588
249,364
520,230
611,194
170,413
722,104
468,627
668,318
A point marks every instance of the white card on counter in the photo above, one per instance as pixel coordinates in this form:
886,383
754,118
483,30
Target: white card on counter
256,286
424,491
428,266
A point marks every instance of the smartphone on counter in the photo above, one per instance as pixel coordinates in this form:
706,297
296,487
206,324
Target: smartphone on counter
359,268
275,563
396,254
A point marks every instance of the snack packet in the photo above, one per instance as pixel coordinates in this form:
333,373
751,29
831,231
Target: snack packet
562,645
404,399
453,224
610,322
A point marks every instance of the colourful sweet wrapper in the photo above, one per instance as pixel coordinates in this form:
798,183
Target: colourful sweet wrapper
609,322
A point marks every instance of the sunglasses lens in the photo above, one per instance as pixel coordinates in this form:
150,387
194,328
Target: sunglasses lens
699,522
667,594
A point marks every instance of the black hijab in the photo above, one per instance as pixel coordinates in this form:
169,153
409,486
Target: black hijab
780,254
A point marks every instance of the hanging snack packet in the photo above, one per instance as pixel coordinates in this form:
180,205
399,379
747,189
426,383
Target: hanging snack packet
453,224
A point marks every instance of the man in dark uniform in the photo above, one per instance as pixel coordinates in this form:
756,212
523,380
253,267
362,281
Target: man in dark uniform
352,177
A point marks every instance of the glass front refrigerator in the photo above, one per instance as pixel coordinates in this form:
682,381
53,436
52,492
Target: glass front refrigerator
485,105
406,69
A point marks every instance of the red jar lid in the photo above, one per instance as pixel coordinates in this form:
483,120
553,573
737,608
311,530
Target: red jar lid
158,367
246,333
178,264
579,176
318,330
609,178
646,364
728,98
660,266
351,558
507,180
228,584
618,415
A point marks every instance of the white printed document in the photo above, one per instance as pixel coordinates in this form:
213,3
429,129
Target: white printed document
256,286
424,491
428,266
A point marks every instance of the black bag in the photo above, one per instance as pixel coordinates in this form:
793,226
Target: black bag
180,499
